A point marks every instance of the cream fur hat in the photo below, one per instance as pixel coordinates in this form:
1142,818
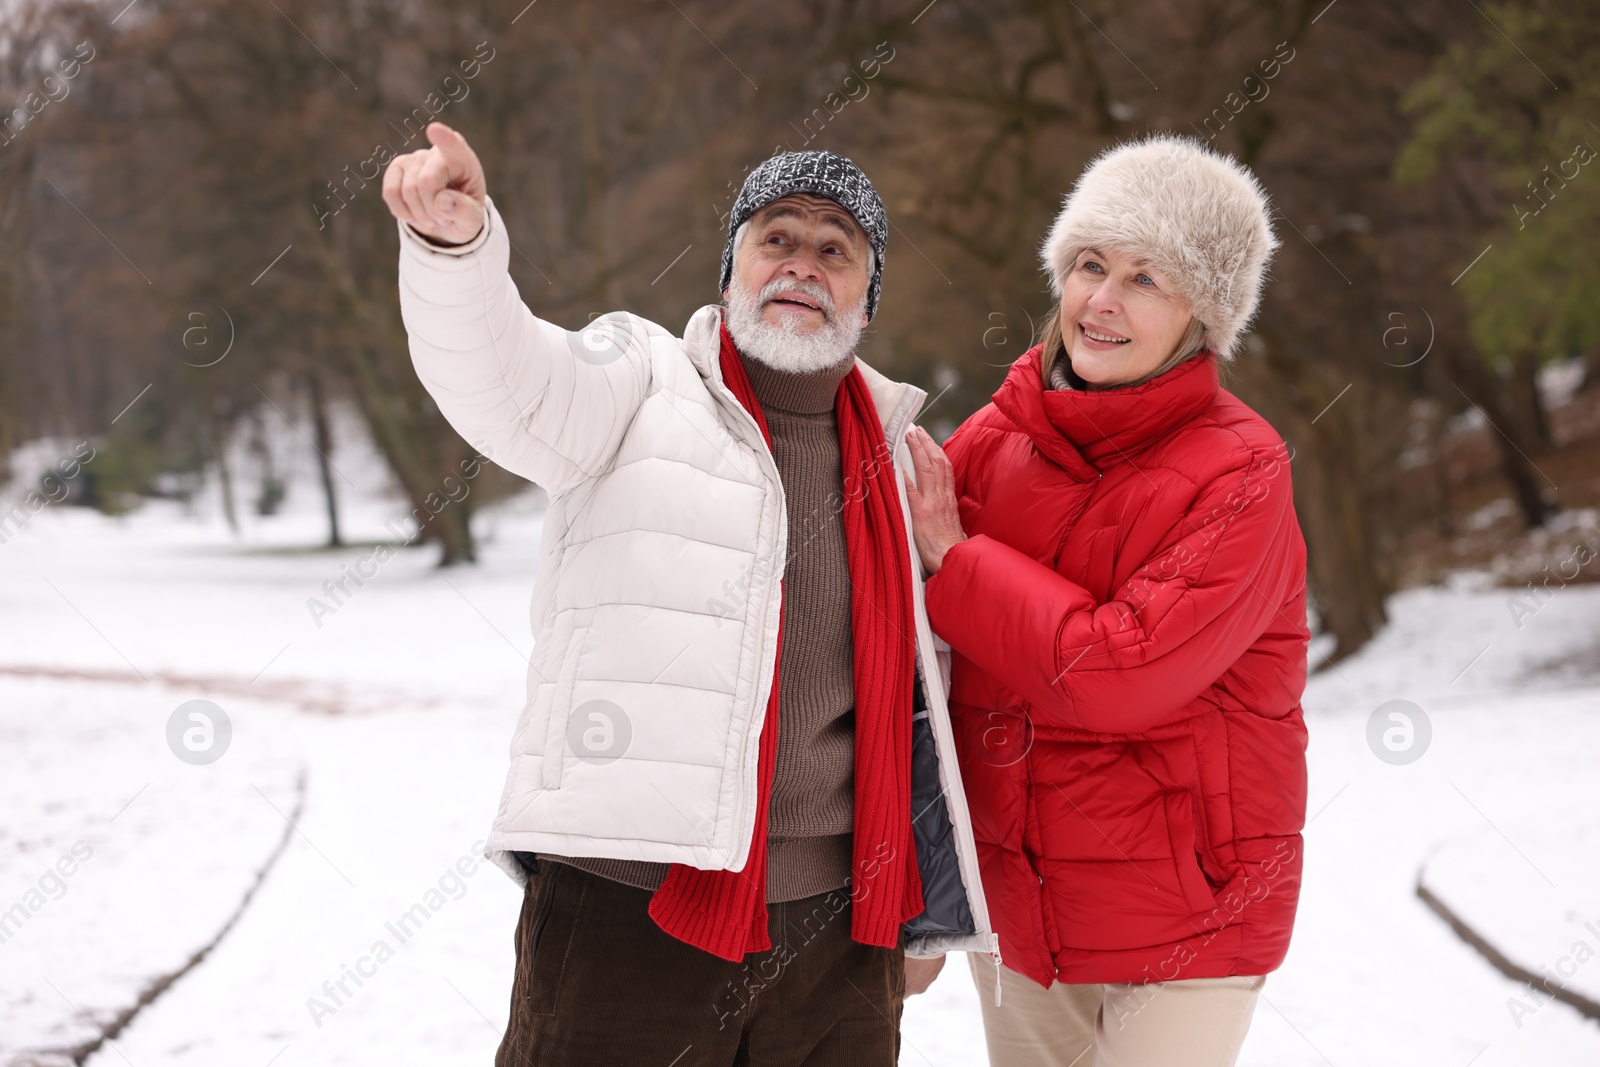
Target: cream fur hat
1199,217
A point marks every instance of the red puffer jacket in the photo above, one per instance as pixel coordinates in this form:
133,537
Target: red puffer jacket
1128,621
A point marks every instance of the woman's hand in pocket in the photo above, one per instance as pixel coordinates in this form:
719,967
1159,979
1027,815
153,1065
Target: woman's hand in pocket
935,518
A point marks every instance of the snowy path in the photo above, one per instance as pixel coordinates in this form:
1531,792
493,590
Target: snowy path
425,672
123,861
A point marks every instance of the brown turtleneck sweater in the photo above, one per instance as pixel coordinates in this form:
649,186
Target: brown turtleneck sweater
811,813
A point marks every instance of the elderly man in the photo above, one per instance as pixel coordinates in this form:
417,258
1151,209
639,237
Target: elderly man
733,798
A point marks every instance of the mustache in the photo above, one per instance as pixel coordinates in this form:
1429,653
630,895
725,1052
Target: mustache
800,285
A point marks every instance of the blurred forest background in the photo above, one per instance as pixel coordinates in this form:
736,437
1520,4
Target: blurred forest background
194,243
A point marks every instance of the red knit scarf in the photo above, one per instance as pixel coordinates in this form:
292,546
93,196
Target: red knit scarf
725,912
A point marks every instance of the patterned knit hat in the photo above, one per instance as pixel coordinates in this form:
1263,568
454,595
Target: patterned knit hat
821,174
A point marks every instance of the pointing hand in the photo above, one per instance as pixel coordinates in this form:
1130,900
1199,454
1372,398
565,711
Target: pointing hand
439,191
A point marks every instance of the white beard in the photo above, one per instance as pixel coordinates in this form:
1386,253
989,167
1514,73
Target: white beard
779,346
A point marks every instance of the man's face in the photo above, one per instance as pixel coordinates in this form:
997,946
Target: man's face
808,259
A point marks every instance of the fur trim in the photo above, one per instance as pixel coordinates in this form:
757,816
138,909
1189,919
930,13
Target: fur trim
1199,216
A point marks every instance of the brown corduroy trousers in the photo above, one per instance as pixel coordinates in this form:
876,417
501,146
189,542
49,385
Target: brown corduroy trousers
598,982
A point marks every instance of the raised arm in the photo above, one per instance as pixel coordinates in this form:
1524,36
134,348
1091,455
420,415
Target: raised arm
544,403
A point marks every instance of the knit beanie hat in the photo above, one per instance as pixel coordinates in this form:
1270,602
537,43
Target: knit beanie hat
1198,216
821,174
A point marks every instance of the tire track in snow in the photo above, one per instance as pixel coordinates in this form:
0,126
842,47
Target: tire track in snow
1498,959
108,1033
309,695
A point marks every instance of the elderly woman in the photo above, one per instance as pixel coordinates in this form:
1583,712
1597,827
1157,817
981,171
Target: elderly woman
1116,565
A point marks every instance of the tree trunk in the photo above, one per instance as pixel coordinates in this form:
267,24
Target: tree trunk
399,438
1482,389
423,451
1444,518
1591,368
324,437
453,530
1527,402
421,448
219,447
1342,560
1339,568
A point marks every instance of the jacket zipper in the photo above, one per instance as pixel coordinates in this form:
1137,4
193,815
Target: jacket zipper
944,739
749,798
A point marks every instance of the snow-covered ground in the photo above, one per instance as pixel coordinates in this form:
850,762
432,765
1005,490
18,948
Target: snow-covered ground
386,727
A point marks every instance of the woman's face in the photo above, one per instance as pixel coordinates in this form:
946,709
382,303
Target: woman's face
1120,320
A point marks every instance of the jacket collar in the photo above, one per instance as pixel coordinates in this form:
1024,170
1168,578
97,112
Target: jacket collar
1085,432
897,402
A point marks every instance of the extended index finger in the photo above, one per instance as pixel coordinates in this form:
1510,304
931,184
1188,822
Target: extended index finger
460,161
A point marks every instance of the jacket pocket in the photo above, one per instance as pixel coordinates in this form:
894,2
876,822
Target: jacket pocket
1185,852
555,743
548,943
1115,850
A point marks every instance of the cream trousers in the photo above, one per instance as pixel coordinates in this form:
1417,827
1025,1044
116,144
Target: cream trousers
1191,1022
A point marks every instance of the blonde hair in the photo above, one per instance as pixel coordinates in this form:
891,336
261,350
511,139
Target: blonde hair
1054,348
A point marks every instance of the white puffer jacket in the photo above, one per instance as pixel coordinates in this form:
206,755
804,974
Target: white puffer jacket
656,610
